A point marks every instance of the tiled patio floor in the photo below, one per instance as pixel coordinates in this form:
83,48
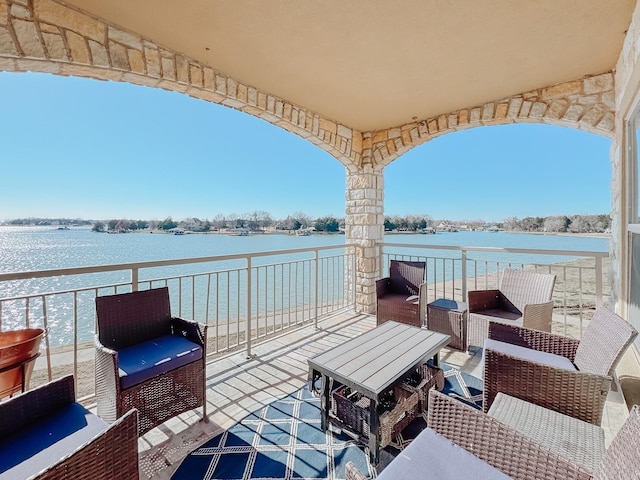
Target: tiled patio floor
236,386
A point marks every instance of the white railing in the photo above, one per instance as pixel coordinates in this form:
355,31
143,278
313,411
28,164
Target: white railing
264,293
581,276
267,293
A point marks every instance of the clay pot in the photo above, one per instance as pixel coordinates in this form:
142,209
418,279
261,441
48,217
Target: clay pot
18,352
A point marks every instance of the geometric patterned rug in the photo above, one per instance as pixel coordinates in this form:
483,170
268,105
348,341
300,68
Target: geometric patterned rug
283,440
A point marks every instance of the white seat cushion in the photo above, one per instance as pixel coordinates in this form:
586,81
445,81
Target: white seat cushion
524,353
432,456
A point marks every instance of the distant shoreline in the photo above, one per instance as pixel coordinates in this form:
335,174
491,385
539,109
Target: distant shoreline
568,234
293,232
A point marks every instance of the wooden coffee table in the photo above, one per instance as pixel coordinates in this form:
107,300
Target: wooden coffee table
371,363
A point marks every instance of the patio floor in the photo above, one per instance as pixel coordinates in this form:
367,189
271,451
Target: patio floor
237,386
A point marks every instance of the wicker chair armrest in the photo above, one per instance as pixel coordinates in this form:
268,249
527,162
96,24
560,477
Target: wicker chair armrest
107,381
352,472
495,443
190,329
423,300
111,454
382,286
538,316
578,394
34,404
534,339
480,300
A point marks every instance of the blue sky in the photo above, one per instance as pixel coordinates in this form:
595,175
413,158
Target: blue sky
80,148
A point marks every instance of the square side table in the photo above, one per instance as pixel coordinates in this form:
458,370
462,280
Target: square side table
450,317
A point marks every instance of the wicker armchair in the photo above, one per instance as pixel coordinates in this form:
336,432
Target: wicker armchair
147,359
504,448
45,435
524,299
560,373
402,295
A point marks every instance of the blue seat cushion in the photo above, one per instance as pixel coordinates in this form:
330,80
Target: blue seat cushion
42,444
149,359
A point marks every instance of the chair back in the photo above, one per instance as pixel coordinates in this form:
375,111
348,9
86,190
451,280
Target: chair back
127,319
405,277
622,459
603,342
522,287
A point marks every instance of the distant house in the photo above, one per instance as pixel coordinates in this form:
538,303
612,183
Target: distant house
192,224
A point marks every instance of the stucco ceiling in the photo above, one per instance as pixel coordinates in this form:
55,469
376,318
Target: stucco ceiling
374,64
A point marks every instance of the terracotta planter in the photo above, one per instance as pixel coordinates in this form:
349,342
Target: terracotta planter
18,352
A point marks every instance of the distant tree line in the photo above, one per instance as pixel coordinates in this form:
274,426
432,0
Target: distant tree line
409,223
553,224
560,223
261,221
258,221
48,221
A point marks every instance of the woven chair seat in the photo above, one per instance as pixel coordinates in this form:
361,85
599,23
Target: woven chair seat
401,296
524,299
147,359
560,373
519,455
45,434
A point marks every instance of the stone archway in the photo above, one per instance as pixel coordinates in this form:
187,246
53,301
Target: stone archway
587,104
49,37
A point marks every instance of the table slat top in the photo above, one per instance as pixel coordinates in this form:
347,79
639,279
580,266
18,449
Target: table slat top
376,359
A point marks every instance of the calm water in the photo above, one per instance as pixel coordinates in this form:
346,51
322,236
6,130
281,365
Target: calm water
44,248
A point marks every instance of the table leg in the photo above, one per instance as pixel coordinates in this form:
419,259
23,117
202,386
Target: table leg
325,403
436,359
374,441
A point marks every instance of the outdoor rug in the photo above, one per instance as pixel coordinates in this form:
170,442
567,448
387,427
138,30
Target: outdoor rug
283,440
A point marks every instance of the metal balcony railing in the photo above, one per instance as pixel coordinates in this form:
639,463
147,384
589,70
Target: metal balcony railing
582,277
264,293
268,293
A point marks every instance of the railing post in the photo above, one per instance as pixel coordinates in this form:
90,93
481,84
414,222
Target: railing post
315,303
354,280
598,281
464,275
248,328
45,324
135,279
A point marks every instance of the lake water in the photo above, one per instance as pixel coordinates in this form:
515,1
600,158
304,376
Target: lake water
43,248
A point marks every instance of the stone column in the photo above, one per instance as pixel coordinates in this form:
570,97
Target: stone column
364,224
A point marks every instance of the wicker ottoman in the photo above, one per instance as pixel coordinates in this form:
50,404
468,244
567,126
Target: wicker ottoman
450,317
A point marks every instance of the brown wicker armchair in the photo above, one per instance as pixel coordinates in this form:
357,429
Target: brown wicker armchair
45,434
402,295
560,373
504,448
147,359
524,298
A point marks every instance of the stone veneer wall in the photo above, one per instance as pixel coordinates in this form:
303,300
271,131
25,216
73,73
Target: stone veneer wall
50,37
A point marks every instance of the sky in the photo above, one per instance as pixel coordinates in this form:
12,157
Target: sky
82,148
